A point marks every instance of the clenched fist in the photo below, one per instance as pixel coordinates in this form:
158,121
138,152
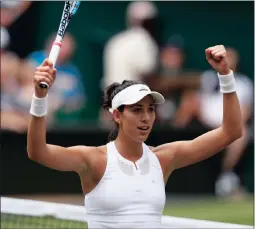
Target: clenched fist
217,58
44,73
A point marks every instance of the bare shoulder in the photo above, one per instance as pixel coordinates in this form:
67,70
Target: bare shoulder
161,150
152,148
102,149
166,153
89,151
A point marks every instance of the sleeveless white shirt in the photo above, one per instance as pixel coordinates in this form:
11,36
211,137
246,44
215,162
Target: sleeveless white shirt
127,196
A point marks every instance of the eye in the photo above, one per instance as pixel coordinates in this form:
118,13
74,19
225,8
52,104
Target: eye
151,109
137,110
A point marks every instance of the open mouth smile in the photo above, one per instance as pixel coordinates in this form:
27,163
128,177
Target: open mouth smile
143,128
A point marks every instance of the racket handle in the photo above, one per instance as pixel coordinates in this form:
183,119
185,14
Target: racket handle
53,58
43,85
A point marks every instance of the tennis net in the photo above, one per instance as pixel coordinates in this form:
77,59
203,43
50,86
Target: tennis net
23,213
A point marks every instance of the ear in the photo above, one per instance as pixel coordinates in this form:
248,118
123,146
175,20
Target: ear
116,116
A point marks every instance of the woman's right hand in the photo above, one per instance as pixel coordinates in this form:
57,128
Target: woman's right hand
44,73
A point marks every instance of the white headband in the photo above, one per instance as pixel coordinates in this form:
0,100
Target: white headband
134,94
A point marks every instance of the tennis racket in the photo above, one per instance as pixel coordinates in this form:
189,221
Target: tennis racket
69,10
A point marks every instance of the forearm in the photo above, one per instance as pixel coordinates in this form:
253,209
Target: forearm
36,137
232,120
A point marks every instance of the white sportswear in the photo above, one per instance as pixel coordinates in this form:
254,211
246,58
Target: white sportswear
129,55
128,195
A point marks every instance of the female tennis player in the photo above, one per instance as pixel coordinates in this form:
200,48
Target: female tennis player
124,180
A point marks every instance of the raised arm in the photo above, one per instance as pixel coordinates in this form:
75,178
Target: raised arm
183,153
56,157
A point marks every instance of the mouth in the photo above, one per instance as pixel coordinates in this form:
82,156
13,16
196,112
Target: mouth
143,128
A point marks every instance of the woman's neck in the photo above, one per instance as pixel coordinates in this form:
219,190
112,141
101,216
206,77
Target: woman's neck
128,148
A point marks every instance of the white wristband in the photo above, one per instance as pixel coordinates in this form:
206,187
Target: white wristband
227,83
39,106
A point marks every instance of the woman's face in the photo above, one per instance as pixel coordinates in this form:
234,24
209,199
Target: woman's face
136,121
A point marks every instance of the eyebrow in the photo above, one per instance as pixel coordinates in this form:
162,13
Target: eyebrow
139,105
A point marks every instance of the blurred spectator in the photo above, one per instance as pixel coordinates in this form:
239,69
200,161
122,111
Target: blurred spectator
67,94
13,116
173,57
207,106
133,54
5,38
11,10
16,16
173,80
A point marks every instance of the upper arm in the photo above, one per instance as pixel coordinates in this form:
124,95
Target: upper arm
64,158
183,153
200,148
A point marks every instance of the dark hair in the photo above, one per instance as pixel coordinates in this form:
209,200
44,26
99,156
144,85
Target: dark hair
109,93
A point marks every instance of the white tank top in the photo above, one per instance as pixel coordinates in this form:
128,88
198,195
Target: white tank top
126,196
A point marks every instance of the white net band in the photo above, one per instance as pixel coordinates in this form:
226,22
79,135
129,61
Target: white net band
34,208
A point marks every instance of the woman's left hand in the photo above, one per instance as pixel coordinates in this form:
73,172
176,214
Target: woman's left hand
217,58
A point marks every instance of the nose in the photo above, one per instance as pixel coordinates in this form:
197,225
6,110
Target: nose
145,117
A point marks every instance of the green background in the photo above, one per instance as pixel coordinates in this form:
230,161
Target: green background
202,24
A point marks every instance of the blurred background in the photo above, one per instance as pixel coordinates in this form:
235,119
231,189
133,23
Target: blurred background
160,43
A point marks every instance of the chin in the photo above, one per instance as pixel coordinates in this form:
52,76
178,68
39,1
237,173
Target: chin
139,137
142,138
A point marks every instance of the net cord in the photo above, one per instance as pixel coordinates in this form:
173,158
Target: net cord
78,213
